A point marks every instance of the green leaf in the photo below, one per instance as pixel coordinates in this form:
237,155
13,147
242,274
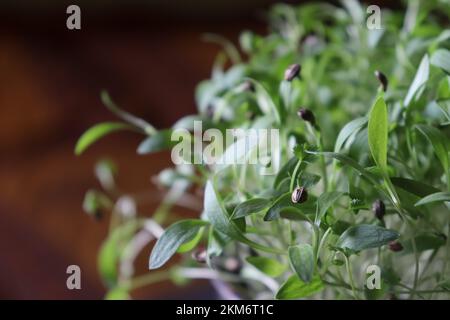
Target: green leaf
218,216
420,79
441,59
294,288
269,266
217,241
424,241
265,101
308,180
249,207
325,201
105,171
173,237
378,133
188,246
285,171
350,162
159,141
349,129
117,293
340,226
301,258
438,141
96,132
444,105
365,236
111,251
413,186
435,197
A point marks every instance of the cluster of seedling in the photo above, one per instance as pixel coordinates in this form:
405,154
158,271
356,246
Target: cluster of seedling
365,176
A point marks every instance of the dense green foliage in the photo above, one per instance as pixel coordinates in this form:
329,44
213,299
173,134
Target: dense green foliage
371,147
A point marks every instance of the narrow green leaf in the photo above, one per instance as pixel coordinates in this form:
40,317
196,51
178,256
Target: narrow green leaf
301,258
285,171
424,241
294,288
217,241
159,141
188,246
444,105
96,132
249,207
173,237
350,162
441,59
111,251
420,79
349,129
218,216
378,133
308,180
439,142
269,266
265,101
117,294
325,201
365,236
435,197
413,186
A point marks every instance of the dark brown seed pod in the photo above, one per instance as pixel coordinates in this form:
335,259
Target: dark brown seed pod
292,71
378,209
299,195
199,255
395,246
307,116
383,80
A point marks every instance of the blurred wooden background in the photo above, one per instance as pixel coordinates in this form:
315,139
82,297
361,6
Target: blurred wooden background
150,59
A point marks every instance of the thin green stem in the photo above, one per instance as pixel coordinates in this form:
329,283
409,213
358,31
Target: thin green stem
322,242
147,279
350,276
294,175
